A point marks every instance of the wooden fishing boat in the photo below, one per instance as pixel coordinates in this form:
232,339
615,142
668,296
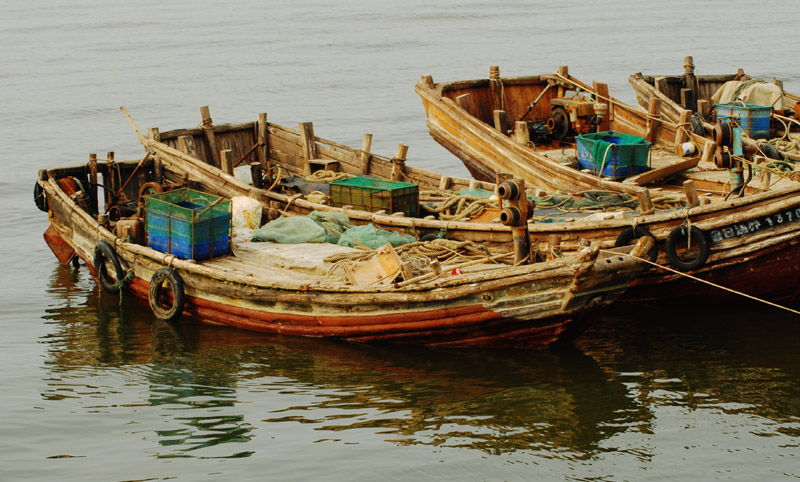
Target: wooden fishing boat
669,96
732,223
272,289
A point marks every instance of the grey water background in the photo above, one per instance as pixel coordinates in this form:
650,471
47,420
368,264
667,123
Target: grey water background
94,392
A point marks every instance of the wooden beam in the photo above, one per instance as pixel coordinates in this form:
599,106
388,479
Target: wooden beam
522,135
645,203
501,121
208,130
427,81
690,83
691,193
681,131
366,148
465,102
93,184
154,134
604,97
399,162
308,143
186,145
255,173
653,120
496,88
226,161
263,148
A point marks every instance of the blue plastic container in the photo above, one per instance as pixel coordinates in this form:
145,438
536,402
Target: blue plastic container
627,156
181,222
753,119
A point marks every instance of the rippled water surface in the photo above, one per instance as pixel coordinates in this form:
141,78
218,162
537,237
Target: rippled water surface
94,389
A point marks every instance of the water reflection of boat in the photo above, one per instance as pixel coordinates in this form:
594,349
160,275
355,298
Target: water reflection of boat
201,379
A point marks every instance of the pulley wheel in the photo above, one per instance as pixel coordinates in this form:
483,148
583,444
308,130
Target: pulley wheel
558,123
722,134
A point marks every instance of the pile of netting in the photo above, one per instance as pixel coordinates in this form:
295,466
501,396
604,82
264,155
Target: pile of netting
419,254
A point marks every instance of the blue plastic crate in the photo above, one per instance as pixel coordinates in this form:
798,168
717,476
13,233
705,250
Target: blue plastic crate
754,119
627,157
181,223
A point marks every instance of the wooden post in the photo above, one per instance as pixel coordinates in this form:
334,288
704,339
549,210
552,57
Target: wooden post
691,193
186,145
496,88
93,184
501,121
604,97
702,107
399,162
687,100
681,132
427,81
255,173
154,134
366,148
765,180
521,134
226,161
465,101
645,203
563,71
709,149
653,120
309,144
208,129
444,183
158,171
111,183
690,82
263,148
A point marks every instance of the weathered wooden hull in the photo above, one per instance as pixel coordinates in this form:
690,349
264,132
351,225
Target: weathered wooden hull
759,263
674,94
529,306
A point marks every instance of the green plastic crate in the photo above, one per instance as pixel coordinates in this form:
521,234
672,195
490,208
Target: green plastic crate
373,195
181,223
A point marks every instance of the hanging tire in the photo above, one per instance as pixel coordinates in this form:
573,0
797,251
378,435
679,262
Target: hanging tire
104,252
160,278
39,197
630,233
695,260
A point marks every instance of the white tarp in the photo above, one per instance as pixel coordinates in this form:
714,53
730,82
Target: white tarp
758,93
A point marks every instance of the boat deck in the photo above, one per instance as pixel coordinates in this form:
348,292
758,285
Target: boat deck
704,173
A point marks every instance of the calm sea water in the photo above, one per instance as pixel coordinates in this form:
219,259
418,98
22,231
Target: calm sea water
94,390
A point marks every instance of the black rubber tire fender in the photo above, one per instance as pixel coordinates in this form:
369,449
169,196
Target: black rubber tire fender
630,233
103,252
39,197
698,236
173,279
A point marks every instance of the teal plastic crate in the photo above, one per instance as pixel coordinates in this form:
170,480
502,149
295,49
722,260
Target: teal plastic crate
181,222
753,119
367,194
613,154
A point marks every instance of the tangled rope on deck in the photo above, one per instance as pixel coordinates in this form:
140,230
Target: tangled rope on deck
457,206
438,249
326,176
